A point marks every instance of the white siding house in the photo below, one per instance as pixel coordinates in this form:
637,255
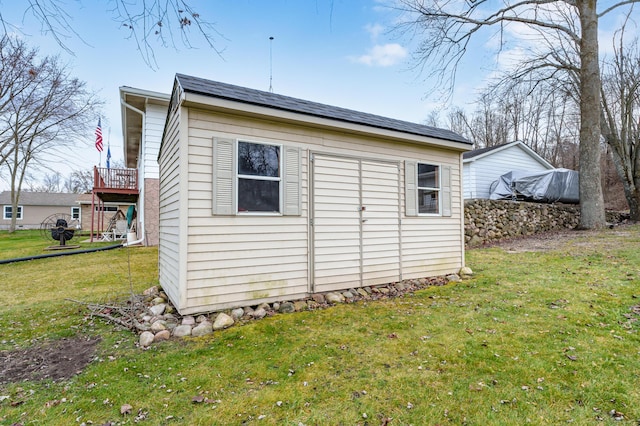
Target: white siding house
265,197
484,166
143,118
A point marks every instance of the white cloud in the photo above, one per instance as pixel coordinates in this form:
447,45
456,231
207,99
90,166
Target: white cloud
383,55
374,30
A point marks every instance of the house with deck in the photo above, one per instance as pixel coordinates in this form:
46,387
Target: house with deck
143,115
265,197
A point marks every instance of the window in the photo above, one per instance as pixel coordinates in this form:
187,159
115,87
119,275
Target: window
107,208
254,177
75,212
7,213
259,177
428,189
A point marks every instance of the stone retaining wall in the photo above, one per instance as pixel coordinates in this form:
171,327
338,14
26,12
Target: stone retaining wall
486,221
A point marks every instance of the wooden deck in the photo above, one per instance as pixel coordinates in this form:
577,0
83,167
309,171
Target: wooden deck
116,185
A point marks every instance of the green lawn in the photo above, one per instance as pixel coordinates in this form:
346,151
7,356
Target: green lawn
32,243
539,338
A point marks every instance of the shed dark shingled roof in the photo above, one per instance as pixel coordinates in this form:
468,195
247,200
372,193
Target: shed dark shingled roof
285,103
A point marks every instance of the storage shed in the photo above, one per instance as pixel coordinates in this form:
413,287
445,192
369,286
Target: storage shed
485,165
265,198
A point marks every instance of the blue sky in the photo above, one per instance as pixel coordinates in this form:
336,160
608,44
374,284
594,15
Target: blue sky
337,52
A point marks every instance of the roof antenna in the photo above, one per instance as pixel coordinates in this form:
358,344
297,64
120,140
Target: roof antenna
271,64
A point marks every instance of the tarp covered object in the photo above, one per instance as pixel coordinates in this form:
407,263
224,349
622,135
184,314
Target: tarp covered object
550,186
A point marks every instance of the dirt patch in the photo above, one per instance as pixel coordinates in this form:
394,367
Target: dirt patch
54,360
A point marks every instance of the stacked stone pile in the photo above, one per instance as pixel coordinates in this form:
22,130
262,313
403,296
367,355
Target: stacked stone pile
158,321
487,221
492,220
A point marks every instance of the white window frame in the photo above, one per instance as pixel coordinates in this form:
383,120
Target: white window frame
4,213
437,190
278,179
75,209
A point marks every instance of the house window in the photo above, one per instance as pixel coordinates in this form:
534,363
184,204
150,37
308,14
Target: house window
259,177
428,189
107,208
75,212
7,213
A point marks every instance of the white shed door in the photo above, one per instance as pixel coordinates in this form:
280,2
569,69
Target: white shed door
355,223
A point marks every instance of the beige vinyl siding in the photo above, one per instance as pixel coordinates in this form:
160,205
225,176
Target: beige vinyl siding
356,223
169,205
235,258
240,260
336,226
381,223
433,245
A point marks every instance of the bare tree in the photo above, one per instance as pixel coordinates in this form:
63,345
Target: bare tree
80,181
149,23
566,49
48,110
621,117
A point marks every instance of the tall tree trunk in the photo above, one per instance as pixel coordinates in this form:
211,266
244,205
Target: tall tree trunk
592,213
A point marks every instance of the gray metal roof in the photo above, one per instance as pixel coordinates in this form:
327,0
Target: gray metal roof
285,103
41,198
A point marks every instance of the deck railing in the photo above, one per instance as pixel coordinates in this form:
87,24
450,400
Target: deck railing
125,179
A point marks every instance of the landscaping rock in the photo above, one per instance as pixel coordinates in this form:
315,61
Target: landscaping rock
258,313
200,319
182,331
223,321
202,329
300,305
158,301
453,278
157,310
146,338
151,291
162,336
318,298
158,326
466,272
188,320
334,298
237,313
265,306
286,307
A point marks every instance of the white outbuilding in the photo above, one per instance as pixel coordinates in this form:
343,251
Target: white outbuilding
265,198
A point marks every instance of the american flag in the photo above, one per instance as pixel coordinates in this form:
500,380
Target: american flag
99,137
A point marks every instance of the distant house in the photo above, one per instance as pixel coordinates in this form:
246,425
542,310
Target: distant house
265,197
143,115
483,166
35,207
